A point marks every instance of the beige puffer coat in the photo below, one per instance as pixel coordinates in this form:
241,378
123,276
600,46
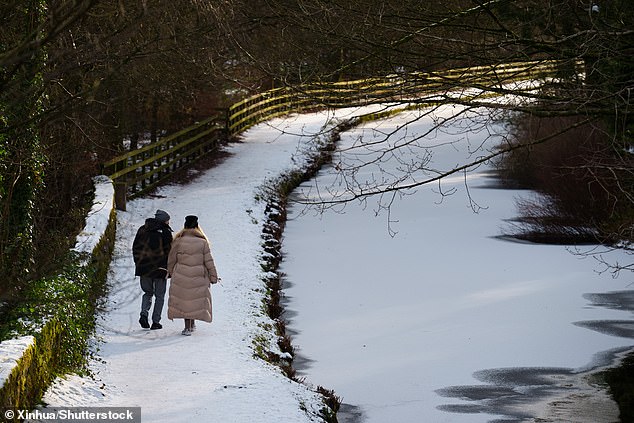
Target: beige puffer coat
192,269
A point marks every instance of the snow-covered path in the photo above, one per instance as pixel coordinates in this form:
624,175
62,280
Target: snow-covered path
211,376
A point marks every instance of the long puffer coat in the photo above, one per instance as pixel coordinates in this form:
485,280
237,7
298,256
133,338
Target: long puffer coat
192,269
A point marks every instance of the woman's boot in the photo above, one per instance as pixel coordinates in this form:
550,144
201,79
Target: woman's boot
187,331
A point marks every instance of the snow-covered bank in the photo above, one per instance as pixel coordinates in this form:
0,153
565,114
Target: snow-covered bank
213,375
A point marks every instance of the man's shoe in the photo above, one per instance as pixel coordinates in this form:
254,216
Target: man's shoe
156,326
143,322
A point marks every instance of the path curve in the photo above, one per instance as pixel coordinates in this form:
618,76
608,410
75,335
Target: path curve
213,375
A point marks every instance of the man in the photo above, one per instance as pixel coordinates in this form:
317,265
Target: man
150,249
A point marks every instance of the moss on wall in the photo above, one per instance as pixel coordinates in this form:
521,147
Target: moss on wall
60,345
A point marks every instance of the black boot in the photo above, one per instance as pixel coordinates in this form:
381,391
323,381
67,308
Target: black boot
143,322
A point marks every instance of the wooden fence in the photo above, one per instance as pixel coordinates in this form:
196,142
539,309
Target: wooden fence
140,170
284,100
137,171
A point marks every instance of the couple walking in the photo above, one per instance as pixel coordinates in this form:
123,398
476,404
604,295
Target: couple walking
186,259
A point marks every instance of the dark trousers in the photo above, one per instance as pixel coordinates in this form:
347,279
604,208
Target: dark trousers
153,288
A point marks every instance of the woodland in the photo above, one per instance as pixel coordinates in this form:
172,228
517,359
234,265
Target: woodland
82,81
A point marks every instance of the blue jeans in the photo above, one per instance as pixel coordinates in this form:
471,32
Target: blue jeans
153,288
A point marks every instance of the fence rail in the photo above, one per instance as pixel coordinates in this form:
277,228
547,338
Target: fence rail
138,171
280,101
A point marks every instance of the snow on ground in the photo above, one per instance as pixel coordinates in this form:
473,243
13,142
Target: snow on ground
473,316
98,217
213,375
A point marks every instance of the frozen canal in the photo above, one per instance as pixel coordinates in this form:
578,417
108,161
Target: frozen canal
444,321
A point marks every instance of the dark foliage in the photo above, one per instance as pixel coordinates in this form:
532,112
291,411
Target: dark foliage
586,182
621,383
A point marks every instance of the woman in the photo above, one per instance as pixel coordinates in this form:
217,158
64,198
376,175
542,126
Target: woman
192,270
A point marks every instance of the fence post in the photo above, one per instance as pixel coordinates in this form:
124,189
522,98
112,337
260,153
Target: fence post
226,119
120,195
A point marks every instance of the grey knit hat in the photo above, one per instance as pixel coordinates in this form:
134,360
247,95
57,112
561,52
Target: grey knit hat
162,216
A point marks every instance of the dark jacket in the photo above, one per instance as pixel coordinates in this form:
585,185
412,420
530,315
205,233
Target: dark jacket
151,248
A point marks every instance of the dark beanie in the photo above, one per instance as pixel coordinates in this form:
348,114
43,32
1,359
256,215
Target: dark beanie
161,216
191,222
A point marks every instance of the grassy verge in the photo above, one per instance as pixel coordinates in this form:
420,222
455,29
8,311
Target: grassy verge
276,196
59,312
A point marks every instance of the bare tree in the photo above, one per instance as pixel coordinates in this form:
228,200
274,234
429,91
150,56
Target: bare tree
76,79
362,39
